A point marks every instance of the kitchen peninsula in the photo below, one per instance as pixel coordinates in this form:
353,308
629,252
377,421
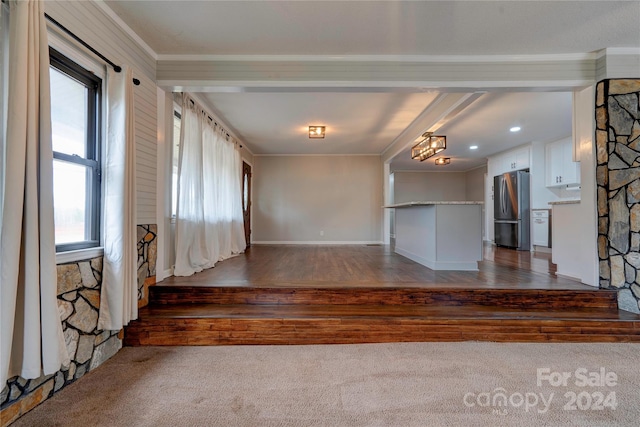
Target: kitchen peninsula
439,235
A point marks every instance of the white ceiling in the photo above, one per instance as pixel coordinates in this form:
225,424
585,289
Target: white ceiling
356,123
362,122
542,117
381,27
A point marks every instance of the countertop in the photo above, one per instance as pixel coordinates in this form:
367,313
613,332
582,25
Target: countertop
565,202
428,203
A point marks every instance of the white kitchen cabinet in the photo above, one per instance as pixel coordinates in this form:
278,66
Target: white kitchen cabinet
561,169
522,160
509,161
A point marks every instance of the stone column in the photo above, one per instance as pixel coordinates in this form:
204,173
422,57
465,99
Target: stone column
618,179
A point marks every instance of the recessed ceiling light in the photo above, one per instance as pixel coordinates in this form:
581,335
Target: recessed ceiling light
515,129
473,147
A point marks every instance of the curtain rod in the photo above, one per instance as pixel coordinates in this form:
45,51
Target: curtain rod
116,68
216,123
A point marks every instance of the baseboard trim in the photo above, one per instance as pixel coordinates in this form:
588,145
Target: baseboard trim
566,276
167,273
318,242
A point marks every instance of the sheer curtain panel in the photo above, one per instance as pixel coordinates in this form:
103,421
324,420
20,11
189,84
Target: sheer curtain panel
209,223
31,339
119,293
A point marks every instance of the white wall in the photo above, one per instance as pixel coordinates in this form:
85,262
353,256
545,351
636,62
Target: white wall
296,198
474,180
429,186
583,107
438,186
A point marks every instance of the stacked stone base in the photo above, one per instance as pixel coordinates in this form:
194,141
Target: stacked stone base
79,285
618,179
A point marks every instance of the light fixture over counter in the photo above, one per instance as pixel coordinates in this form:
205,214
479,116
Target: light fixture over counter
429,146
316,132
443,161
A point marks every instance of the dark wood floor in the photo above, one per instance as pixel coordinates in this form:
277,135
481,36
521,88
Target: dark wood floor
362,265
366,294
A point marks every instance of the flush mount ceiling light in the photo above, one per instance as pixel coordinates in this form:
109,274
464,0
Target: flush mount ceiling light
473,147
429,146
443,161
515,129
316,131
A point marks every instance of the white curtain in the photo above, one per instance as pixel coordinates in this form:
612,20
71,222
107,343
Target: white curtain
4,84
119,294
209,222
31,339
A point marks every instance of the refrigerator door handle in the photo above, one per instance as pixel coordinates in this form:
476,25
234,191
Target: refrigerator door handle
501,197
503,203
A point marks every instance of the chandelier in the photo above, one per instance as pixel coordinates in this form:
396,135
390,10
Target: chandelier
429,146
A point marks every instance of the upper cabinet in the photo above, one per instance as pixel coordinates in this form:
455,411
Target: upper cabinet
561,170
509,161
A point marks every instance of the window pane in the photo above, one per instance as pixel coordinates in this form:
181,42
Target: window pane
69,201
245,196
175,160
68,114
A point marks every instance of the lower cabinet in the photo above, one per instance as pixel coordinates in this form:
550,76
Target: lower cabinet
541,224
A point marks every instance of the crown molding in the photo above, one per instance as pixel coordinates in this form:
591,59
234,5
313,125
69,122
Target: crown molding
318,155
381,58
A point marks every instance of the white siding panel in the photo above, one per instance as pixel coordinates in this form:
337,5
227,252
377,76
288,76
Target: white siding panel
142,182
145,149
144,160
90,23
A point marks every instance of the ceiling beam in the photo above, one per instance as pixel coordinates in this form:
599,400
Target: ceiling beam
443,109
475,73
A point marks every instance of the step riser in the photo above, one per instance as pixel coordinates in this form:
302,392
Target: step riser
296,315
506,298
340,331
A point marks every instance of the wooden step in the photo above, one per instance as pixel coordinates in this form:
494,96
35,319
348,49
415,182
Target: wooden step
417,294
225,324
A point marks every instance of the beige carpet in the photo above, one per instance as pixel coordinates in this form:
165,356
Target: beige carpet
412,384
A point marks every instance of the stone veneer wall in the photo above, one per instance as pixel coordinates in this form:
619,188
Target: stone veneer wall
618,179
79,285
147,256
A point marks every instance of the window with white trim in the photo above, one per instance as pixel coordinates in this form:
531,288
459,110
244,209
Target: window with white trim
75,124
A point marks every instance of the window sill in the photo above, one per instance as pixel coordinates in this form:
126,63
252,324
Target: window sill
79,255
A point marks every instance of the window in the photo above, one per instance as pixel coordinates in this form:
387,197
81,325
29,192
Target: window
75,125
174,162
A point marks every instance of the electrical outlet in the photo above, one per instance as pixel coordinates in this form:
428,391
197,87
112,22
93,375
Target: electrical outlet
322,233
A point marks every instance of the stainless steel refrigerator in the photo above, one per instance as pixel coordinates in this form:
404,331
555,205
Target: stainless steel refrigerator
511,210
